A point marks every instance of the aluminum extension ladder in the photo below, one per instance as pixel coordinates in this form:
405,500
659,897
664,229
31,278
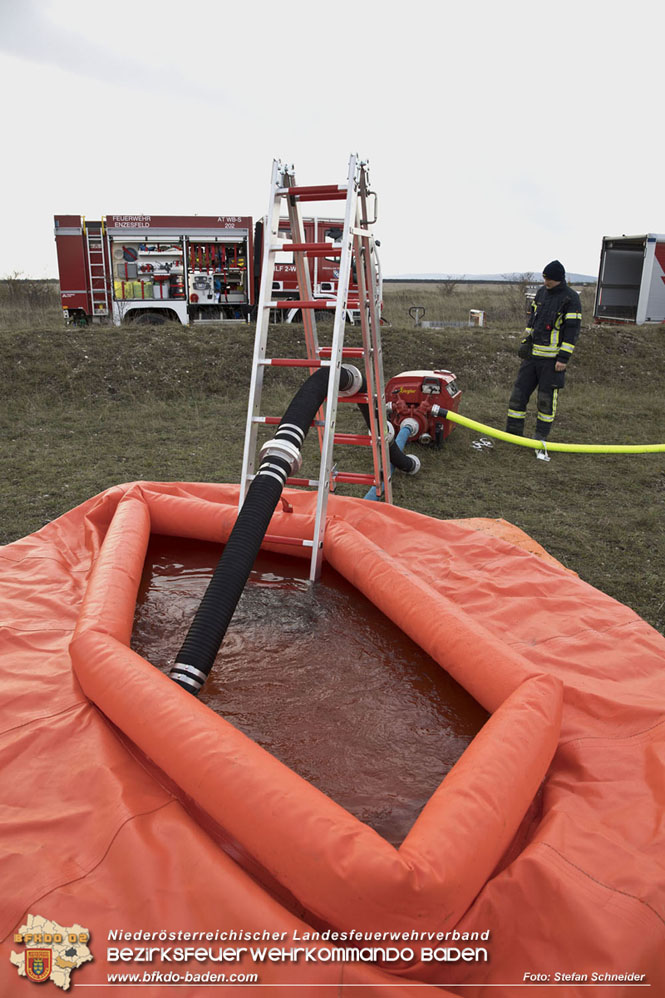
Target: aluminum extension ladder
97,273
357,245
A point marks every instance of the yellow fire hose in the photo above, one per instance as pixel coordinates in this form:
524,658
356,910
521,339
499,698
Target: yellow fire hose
512,438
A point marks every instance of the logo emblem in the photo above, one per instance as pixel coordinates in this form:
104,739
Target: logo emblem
38,964
52,951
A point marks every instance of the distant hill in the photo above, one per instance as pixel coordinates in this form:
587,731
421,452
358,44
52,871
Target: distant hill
476,278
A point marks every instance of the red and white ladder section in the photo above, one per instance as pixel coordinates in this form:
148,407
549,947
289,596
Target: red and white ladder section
357,244
98,282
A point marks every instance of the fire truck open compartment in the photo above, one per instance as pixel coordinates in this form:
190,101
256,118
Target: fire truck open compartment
133,268
631,281
198,272
188,269
620,279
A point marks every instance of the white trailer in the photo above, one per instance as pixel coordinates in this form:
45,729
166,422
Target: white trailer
631,279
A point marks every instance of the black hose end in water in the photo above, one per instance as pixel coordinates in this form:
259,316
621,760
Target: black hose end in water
188,677
278,459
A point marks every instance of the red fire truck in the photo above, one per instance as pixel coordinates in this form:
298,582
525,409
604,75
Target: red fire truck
324,271
154,268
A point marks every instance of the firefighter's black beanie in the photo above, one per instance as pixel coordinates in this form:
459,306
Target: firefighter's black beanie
554,271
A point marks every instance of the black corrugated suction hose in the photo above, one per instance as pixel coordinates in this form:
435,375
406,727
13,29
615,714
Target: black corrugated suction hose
398,458
279,458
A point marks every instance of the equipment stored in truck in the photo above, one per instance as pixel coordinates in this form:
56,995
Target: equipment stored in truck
187,269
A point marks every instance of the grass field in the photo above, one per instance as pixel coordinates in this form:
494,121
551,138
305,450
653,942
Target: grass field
86,408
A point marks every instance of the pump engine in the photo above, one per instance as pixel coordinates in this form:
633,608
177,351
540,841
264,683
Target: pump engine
419,397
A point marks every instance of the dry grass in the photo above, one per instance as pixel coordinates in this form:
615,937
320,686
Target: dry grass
86,408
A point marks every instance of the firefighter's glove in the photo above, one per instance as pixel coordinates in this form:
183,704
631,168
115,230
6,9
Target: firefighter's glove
525,347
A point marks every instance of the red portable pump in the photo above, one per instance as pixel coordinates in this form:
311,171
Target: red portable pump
418,397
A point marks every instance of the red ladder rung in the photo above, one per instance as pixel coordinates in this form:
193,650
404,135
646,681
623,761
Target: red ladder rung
355,439
314,249
326,352
294,362
316,303
351,478
312,482
276,420
320,191
340,196
283,539
355,399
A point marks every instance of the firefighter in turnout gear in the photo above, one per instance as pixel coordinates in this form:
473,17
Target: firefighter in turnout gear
551,334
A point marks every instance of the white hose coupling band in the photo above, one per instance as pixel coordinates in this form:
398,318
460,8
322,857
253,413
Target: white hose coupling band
412,425
356,383
293,431
416,467
390,433
282,448
188,674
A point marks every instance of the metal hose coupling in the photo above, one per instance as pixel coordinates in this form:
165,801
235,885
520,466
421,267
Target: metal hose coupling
351,381
415,466
279,458
411,425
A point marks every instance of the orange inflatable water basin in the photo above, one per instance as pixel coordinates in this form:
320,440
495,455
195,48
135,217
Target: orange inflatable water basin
145,834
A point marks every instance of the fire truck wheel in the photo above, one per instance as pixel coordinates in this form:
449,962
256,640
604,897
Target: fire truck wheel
149,319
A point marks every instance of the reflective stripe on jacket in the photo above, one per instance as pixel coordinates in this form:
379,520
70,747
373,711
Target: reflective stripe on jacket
554,322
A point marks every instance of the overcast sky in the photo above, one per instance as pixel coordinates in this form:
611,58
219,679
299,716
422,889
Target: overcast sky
499,135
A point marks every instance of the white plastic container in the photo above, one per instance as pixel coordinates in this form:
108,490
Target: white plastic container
160,286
